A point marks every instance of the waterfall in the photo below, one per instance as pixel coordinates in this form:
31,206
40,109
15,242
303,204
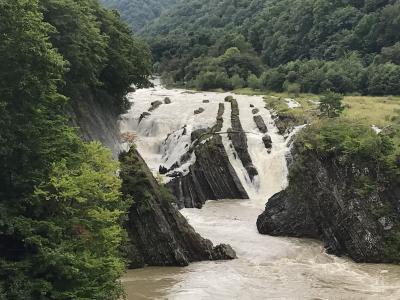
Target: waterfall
267,267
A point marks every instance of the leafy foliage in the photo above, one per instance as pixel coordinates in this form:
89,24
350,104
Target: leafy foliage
331,104
60,205
137,13
344,46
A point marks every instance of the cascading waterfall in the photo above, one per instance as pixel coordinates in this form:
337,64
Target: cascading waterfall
267,267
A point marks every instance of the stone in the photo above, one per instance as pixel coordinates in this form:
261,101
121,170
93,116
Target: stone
206,101
224,252
155,105
167,100
321,203
267,141
144,116
228,98
239,140
251,105
198,133
199,111
162,170
260,124
255,111
212,176
159,234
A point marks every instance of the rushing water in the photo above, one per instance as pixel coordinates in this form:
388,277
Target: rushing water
267,267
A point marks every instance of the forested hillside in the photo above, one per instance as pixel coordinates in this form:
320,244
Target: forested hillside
300,45
137,13
61,211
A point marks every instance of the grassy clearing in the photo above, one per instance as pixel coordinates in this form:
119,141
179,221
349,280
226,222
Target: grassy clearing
379,111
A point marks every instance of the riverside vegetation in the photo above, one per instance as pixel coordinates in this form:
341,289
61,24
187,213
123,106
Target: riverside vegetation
63,209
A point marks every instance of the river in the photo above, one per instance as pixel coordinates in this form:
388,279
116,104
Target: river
267,267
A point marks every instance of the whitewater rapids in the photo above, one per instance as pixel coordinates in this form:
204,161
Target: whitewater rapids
267,267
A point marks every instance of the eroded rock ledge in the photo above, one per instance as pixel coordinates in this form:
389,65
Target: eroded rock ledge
212,176
324,201
239,140
159,234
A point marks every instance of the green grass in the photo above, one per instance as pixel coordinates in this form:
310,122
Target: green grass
379,111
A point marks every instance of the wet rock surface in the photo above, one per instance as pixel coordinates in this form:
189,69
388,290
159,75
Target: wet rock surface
159,234
199,111
167,100
144,116
239,140
260,124
155,105
323,202
212,176
267,141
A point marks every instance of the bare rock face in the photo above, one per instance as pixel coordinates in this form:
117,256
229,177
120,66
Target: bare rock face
212,176
159,234
260,124
323,201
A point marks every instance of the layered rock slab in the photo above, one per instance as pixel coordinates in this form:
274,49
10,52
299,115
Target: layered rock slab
159,234
323,202
212,176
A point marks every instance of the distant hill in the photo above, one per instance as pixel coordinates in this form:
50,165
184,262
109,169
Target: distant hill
343,45
137,13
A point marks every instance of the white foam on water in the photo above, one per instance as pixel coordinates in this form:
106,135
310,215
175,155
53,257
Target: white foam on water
267,267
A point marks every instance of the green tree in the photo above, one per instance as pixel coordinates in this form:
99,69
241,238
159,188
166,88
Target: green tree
331,104
60,205
254,82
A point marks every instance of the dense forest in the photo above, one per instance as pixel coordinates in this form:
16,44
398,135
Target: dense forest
61,210
302,45
137,13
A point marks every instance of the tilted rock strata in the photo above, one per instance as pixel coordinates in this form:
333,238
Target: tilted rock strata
159,234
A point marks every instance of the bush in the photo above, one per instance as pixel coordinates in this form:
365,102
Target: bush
331,104
253,82
237,82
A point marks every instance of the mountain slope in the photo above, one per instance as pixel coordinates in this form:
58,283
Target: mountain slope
137,13
346,46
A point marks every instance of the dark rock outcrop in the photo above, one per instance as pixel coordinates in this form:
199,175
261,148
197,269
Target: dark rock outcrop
96,121
327,200
155,105
212,176
159,234
144,116
199,111
162,170
206,101
260,124
255,111
267,141
167,100
239,140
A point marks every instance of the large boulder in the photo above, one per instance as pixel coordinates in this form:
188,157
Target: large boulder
267,141
260,124
159,235
326,200
155,105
